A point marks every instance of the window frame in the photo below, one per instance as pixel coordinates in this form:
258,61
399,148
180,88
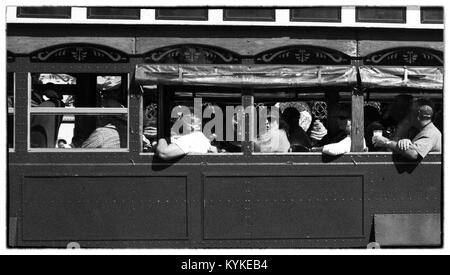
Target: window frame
79,111
12,111
248,95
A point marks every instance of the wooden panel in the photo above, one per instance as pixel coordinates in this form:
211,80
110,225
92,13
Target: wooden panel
44,12
249,14
357,122
245,46
26,44
408,230
316,14
104,208
432,15
283,207
381,14
181,14
113,13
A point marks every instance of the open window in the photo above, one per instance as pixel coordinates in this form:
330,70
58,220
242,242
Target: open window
250,88
78,111
213,110
393,79
309,118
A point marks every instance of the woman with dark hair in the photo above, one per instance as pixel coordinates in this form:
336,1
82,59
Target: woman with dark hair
296,135
275,140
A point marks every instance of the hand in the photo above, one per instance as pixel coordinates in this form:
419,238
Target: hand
404,144
213,150
380,141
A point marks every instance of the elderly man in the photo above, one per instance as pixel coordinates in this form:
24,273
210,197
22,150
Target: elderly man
429,138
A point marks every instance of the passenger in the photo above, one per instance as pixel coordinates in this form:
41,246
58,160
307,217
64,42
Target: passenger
297,135
396,119
193,142
150,129
234,146
317,132
275,140
44,128
342,142
429,138
113,130
62,143
372,122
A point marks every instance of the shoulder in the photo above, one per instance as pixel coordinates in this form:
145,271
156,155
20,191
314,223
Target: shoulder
429,131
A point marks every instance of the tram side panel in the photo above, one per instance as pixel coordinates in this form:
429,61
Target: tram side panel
321,205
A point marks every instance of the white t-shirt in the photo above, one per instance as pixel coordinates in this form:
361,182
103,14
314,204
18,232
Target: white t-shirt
193,143
342,147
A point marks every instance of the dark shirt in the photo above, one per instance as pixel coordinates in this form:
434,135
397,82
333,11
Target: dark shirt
298,137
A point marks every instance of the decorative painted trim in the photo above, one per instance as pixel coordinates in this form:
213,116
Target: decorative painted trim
79,53
406,56
302,54
192,54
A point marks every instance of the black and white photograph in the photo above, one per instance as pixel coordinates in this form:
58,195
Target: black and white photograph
298,126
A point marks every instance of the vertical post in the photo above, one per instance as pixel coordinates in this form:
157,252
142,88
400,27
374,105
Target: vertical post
248,100
162,119
357,120
21,116
135,116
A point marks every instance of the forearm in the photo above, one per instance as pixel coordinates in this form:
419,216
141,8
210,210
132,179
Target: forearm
409,154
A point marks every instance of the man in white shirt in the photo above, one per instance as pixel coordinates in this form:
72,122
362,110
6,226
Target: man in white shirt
344,146
194,142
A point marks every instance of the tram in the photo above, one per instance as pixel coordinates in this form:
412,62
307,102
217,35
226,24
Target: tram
64,68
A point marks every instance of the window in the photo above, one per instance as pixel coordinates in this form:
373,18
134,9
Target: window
432,15
113,13
391,115
87,111
11,108
249,14
381,14
44,12
182,14
316,14
213,111
307,122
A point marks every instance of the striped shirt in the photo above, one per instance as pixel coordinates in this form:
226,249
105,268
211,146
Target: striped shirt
103,137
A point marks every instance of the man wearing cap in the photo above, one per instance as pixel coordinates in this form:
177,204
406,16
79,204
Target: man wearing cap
429,138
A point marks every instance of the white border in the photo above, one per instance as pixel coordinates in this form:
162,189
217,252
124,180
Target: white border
3,142
215,18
